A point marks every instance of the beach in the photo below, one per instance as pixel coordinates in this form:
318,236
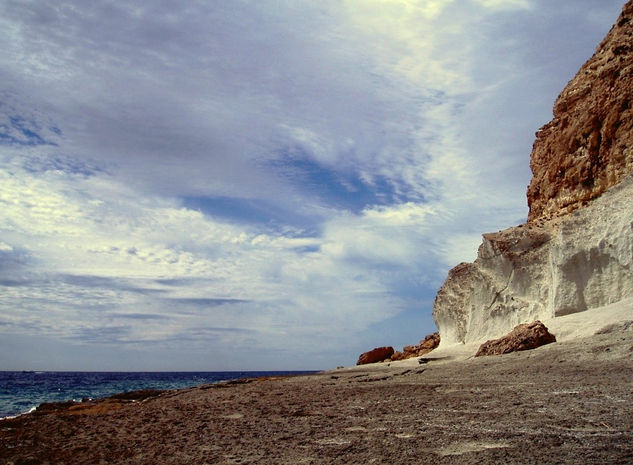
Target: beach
567,402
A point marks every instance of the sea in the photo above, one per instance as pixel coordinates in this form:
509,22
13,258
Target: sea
22,391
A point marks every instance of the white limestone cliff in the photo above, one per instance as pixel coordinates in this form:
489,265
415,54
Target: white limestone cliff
577,262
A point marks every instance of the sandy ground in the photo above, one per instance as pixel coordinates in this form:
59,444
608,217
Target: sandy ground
568,402
565,328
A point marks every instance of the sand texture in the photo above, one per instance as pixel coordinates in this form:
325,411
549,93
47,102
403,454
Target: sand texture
567,402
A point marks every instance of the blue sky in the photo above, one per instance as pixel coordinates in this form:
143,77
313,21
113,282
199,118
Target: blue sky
260,185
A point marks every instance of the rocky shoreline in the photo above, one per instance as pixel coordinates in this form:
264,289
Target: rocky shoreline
566,402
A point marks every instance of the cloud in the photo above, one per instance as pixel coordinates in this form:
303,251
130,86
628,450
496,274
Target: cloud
383,235
504,4
99,268
205,302
265,179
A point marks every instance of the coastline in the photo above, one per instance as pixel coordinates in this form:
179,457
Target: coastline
26,391
566,402
11,417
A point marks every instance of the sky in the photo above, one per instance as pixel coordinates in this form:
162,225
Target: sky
260,185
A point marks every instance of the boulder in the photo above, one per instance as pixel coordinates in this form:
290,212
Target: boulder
425,346
379,354
429,343
522,337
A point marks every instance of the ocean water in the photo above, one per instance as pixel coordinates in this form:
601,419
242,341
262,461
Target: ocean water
21,392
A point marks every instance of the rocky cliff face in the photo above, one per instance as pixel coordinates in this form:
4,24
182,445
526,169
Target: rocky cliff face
588,145
576,250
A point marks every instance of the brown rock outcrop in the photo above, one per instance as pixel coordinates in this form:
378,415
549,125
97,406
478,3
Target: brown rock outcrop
574,253
522,337
586,148
379,354
425,346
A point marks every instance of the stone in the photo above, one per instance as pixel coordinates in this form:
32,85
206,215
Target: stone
429,343
522,337
52,407
379,354
575,252
425,346
587,147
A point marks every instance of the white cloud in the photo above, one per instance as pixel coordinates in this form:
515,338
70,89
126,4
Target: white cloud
77,232
384,235
460,248
385,136
504,4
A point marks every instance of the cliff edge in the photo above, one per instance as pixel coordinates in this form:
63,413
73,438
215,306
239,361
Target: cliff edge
576,250
587,147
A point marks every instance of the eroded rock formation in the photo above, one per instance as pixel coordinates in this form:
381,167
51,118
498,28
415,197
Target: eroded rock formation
580,261
576,250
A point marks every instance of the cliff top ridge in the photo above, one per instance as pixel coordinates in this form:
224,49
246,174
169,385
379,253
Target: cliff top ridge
588,146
